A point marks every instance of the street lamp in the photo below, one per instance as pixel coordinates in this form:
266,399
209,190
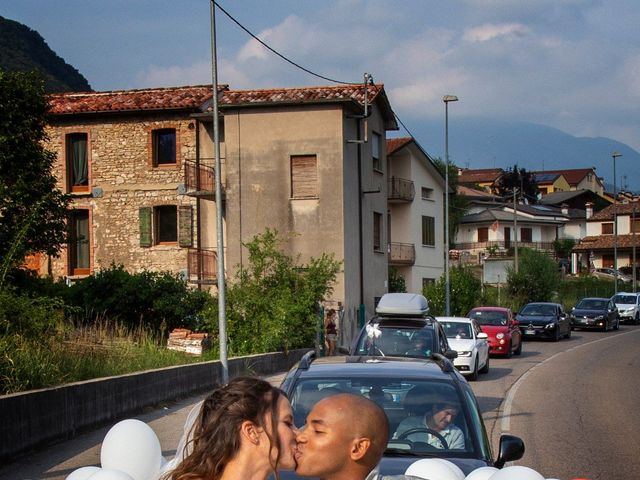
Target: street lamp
615,155
446,99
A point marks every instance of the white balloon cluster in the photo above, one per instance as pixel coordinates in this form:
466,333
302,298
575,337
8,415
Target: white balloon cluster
130,451
440,469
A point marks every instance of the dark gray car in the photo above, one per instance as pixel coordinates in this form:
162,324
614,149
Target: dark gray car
594,312
544,320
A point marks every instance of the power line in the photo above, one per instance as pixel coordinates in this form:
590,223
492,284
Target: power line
278,53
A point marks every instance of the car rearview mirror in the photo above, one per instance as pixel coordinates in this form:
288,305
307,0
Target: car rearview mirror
451,354
482,336
511,449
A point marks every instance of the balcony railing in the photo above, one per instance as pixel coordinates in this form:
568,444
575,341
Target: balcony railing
199,178
401,190
202,266
502,245
401,253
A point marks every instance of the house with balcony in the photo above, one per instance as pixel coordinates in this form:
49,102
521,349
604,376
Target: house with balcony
308,162
415,213
599,247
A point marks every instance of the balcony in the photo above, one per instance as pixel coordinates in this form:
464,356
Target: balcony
400,190
202,266
501,247
401,253
199,179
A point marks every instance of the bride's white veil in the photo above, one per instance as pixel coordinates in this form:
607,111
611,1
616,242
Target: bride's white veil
184,445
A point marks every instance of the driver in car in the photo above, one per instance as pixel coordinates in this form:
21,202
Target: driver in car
436,427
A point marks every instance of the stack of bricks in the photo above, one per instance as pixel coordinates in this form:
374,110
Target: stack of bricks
184,340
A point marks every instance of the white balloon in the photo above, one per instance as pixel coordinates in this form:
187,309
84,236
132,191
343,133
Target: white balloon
516,472
132,447
110,474
435,469
82,473
482,473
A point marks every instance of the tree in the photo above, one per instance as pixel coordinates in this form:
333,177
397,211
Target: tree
397,283
521,180
273,303
537,279
32,209
457,203
466,292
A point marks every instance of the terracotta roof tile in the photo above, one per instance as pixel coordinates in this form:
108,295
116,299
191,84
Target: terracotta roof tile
605,242
395,144
480,175
622,208
130,100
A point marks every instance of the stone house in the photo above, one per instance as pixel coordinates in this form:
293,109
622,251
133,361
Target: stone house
308,162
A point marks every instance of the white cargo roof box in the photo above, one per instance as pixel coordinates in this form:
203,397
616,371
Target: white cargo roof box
402,304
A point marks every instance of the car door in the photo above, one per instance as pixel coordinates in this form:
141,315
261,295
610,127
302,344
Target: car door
611,313
563,321
481,343
516,334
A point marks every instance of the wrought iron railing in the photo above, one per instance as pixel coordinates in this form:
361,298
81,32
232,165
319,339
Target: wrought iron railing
501,244
202,265
401,190
401,253
199,178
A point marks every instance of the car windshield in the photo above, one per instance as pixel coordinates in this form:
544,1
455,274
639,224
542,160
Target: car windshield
489,317
457,329
592,304
625,299
537,309
379,340
410,405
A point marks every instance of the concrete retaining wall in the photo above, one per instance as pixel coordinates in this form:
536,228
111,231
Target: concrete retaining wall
31,419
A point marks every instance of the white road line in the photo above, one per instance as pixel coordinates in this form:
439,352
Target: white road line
505,422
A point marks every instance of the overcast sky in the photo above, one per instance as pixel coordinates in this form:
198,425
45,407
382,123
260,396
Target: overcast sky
570,64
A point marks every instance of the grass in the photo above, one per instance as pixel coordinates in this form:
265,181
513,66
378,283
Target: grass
101,350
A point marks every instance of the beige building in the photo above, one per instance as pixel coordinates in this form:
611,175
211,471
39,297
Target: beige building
308,162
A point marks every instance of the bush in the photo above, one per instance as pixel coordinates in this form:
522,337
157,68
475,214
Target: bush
464,288
537,279
273,304
397,283
30,317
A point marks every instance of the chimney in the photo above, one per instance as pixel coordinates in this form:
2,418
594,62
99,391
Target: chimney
564,208
589,208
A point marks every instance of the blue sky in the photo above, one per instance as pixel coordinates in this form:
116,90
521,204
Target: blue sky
570,64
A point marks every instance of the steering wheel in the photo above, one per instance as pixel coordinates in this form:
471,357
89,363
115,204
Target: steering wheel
411,431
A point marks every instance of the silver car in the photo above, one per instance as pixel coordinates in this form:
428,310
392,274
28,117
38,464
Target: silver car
628,305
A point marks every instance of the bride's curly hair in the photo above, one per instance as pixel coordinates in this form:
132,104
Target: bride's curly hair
215,438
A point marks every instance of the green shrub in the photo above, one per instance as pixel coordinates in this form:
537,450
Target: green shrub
537,279
465,292
30,316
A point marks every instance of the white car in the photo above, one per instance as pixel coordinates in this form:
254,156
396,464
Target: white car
628,305
466,337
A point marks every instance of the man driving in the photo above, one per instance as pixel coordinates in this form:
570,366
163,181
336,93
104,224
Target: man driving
436,427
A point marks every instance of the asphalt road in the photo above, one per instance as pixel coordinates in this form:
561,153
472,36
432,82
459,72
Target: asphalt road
572,402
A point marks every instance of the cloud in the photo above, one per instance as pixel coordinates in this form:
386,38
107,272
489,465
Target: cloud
486,32
198,73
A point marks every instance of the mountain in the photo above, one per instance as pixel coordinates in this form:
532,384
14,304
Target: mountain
23,49
487,143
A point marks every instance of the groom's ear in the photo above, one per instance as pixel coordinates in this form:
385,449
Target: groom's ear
359,448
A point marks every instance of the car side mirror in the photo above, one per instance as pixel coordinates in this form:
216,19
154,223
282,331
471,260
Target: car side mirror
515,322
511,449
451,354
343,350
482,336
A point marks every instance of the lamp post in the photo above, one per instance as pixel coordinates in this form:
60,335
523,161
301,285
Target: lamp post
447,300
615,155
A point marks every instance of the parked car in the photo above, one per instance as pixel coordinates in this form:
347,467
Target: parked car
466,338
595,312
403,387
611,274
541,319
628,305
498,323
402,327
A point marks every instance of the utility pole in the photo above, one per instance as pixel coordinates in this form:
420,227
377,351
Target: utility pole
615,155
515,231
633,243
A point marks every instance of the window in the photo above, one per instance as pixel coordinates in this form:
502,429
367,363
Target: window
77,160
607,228
427,193
428,231
375,151
304,176
427,281
377,231
483,234
166,225
164,146
635,226
79,243
526,235
607,260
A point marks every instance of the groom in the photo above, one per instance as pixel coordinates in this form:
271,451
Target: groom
344,438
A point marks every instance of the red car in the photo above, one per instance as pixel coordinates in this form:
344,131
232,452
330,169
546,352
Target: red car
505,337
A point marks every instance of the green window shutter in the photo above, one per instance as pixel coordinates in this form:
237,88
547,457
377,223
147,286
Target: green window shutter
185,226
146,237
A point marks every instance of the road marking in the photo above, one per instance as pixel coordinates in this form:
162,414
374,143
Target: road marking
505,421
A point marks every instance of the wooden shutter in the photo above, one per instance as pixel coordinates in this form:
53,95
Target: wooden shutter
304,176
144,216
185,226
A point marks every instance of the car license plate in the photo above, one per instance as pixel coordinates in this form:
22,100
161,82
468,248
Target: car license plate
530,332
